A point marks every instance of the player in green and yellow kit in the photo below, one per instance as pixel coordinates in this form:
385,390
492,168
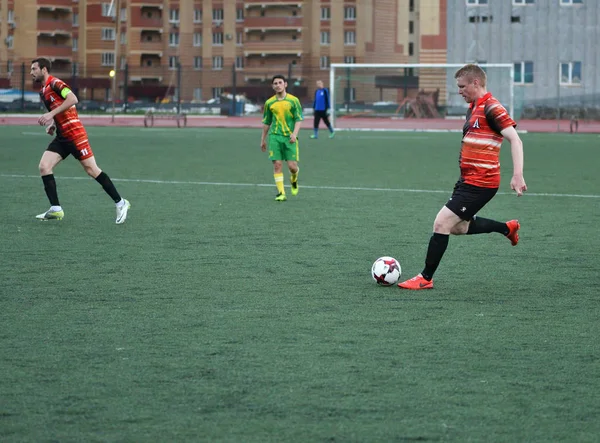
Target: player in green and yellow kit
282,115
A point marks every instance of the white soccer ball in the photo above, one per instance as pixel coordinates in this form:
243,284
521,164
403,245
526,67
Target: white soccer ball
386,271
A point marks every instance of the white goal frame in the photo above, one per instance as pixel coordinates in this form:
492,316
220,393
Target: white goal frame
334,66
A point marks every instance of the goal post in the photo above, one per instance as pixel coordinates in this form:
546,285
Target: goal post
408,91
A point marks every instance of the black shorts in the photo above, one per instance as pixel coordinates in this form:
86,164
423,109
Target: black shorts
467,200
64,148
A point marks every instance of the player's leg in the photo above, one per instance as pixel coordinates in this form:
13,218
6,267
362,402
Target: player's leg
479,225
51,158
294,170
316,121
88,162
276,155
328,123
444,223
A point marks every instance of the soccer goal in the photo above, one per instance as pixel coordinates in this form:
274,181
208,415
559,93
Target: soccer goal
423,96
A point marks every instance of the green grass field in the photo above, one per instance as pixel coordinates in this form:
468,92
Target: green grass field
217,314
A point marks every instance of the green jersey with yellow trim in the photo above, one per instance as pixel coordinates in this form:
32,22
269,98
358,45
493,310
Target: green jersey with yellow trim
282,114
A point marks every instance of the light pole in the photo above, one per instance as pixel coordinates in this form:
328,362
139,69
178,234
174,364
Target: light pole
112,74
115,7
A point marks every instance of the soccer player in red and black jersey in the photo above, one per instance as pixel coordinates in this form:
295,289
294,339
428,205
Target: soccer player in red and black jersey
71,139
486,125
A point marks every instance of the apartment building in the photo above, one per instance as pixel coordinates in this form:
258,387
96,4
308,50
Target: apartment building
214,40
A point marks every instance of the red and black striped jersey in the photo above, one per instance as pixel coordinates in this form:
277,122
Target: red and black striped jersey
68,125
481,142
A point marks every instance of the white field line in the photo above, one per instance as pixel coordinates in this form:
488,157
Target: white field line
333,188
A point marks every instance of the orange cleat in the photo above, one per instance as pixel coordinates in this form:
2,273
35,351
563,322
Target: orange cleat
513,231
417,283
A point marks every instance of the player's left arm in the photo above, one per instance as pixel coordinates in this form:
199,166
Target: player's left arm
517,183
298,117
70,99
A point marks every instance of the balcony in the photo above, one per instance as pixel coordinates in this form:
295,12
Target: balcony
273,23
265,48
146,23
55,52
138,73
147,3
267,3
54,27
54,5
154,47
264,73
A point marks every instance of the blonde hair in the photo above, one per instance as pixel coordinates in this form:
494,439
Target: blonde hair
472,71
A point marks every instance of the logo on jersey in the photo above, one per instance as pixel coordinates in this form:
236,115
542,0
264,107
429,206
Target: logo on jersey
51,98
476,124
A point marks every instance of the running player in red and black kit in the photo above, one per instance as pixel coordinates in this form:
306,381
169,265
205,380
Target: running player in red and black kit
71,139
487,124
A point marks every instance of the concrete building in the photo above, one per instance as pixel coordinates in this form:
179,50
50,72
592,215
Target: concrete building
552,44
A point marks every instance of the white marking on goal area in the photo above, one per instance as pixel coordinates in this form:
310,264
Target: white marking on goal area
329,188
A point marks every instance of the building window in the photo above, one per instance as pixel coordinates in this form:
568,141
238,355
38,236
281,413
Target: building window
123,38
411,48
325,37
349,94
217,62
75,69
75,19
198,94
239,14
123,14
350,59
11,16
239,62
523,73
477,2
239,38
106,10
9,66
173,62
571,2
107,59
570,73
217,39
411,5
349,38
197,39
75,43
217,15
9,41
325,13
324,62
411,27
217,92
349,13
197,62
123,61
523,2
173,39
108,34
174,16
197,15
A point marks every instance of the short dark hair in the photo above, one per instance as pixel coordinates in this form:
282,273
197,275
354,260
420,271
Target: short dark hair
43,63
472,71
275,77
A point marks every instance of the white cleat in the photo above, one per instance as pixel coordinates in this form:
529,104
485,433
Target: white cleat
51,215
122,212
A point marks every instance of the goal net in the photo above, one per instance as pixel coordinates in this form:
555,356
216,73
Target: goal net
376,96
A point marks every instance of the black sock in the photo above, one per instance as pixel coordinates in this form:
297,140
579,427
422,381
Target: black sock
108,186
480,225
50,188
437,246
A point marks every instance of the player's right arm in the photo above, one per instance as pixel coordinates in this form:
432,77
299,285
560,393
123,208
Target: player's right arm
267,120
517,183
